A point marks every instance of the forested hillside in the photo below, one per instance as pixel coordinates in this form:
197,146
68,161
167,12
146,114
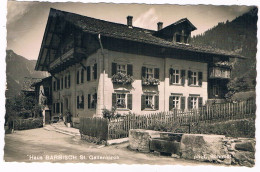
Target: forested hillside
240,36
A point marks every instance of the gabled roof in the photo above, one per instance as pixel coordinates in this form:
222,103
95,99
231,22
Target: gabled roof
181,21
121,31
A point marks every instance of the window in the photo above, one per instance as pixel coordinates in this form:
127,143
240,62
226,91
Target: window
58,84
194,102
82,75
92,72
92,101
77,77
67,81
177,76
215,90
54,108
62,82
121,68
195,78
57,107
122,100
80,102
150,73
54,85
176,101
150,102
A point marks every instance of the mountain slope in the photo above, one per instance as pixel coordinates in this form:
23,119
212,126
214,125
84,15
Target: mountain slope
239,35
17,68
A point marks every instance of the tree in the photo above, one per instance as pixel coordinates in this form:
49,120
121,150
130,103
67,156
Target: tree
22,106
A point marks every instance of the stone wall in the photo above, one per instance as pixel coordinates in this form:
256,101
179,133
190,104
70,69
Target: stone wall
139,139
241,150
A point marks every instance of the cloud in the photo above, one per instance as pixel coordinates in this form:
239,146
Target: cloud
147,20
16,10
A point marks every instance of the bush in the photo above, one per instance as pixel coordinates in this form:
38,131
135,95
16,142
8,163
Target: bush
24,124
110,113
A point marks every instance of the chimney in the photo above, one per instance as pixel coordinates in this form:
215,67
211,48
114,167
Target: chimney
159,25
130,21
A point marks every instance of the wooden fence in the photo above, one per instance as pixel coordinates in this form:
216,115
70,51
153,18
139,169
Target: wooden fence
119,127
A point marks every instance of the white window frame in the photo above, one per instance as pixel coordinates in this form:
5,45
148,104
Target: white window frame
194,102
122,68
121,100
149,101
149,72
176,102
93,101
176,75
194,75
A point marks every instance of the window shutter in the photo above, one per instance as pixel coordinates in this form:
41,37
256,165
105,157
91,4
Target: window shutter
82,102
129,101
170,103
58,84
82,75
130,69
189,77
77,77
156,73
114,68
143,72
200,78
61,107
200,102
182,77
54,108
170,75
142,102
182,103
95,71
69,81
156,102
65,81
88,73
62,83
77,102
89,101
189,103
114,99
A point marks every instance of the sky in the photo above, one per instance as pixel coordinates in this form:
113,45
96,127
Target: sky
26,21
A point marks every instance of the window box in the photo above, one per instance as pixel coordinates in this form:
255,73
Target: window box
150,81
122,78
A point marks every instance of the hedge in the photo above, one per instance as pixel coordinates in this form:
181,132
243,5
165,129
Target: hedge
24,124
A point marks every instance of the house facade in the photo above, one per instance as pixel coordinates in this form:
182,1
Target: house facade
98,65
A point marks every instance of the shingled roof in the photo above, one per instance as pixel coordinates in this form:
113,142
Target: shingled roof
121,31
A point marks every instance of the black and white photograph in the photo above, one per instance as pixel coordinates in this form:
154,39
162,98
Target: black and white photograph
130,83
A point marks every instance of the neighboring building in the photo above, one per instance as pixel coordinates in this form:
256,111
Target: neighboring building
43,95
27,88
97,64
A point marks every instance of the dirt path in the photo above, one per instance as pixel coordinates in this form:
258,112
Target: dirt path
39,145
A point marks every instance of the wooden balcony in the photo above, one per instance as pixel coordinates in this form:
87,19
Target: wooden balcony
219,72
70,56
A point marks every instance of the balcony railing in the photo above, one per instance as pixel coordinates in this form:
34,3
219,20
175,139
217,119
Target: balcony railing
65,56
219,72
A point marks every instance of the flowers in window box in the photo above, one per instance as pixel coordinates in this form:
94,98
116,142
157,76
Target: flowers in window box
150,81
122,78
